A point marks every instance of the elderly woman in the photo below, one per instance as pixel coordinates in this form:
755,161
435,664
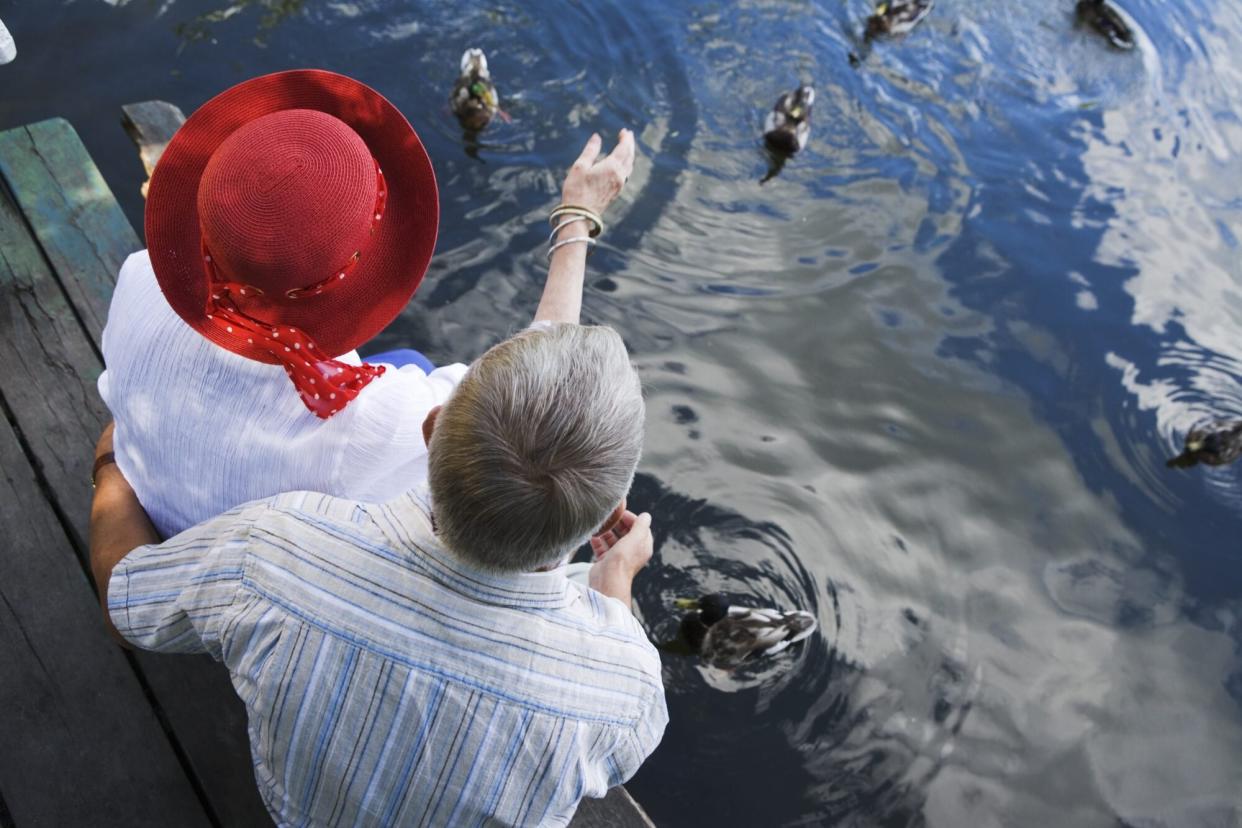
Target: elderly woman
290,219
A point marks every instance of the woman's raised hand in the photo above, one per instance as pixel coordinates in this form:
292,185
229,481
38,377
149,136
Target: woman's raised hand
593,182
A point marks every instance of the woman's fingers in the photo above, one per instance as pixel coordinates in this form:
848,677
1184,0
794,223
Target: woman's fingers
589,153
623,153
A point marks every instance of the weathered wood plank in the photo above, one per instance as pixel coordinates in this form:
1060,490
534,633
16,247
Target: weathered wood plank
74,216
69,703
48,371
616,810
151,125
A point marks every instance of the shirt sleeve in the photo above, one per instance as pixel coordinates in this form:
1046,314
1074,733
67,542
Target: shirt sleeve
176,597
386,454
639,741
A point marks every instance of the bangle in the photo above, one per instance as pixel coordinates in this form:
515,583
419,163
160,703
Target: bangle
107,458
590,242
582,212
558,227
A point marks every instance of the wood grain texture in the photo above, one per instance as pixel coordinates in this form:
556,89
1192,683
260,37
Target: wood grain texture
70,705
72,212
151,125
48,370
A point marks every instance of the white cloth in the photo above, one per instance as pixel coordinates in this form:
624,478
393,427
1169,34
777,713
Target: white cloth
200,430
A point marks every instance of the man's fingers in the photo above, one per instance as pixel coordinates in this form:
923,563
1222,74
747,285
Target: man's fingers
590,152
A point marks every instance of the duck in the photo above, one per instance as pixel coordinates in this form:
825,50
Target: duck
896,17
1214,444
724,635
474,99
1107,21
788,125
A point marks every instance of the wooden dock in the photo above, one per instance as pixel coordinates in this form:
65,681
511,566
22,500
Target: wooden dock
92,734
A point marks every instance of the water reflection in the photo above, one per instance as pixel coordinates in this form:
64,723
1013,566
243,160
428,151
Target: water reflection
271,14
923,383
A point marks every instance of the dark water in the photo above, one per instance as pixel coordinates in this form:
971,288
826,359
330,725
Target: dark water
922,383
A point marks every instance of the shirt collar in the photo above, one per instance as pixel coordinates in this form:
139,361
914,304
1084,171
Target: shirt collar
406,522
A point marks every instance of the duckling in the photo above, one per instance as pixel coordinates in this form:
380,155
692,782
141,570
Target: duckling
788,125
896,17
474,97
1108,21
725,636
1214,445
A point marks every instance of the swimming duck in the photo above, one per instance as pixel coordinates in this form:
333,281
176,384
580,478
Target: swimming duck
788,125
1214,445
474,96
725,636
1108,21
896,17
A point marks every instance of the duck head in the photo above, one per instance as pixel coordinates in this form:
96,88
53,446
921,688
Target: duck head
712,608
878,23
800,106
474,64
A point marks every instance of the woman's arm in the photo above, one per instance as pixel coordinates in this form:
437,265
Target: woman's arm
592,182
118,524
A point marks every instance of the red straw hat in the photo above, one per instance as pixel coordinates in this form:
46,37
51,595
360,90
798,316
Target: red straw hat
289,220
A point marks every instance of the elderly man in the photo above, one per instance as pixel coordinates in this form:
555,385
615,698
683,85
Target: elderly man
426,661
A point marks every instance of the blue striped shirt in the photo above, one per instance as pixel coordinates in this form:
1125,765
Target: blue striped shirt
388,683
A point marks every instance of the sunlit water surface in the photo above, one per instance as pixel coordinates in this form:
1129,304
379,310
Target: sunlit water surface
922,383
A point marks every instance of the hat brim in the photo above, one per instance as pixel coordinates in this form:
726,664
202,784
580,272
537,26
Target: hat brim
341,319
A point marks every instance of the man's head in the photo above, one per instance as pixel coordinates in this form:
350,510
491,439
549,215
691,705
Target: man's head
537,447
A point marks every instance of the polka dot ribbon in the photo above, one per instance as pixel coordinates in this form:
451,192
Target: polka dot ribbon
325,385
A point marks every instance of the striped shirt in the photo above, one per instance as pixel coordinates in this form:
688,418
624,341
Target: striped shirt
388,683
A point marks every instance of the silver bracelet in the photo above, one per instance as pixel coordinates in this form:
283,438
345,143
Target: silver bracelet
566,223
589,241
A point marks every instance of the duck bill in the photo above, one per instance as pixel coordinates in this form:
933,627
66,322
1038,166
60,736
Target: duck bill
686,603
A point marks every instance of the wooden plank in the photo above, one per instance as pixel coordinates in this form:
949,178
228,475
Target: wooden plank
70,704
48,371
616,810
74,216
151,125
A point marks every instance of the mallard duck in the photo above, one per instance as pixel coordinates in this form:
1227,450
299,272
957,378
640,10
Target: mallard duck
725,636
474,97
788,125
896,17
1214,445
1108,21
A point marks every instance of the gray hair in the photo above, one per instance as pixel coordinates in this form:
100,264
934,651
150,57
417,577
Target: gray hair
536,447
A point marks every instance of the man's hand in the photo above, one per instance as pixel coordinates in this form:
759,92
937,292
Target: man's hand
620,553
594,182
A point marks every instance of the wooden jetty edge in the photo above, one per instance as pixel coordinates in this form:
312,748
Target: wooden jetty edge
93,734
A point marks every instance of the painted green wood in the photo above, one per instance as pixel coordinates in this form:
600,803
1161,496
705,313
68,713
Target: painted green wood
70,706
75,218
48,370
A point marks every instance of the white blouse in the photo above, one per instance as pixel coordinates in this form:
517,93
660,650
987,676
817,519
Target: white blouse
200,430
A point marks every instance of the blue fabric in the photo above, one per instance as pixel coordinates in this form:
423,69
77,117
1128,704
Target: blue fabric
398,357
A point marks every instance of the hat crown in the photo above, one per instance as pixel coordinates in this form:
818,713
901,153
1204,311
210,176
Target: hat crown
286,199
